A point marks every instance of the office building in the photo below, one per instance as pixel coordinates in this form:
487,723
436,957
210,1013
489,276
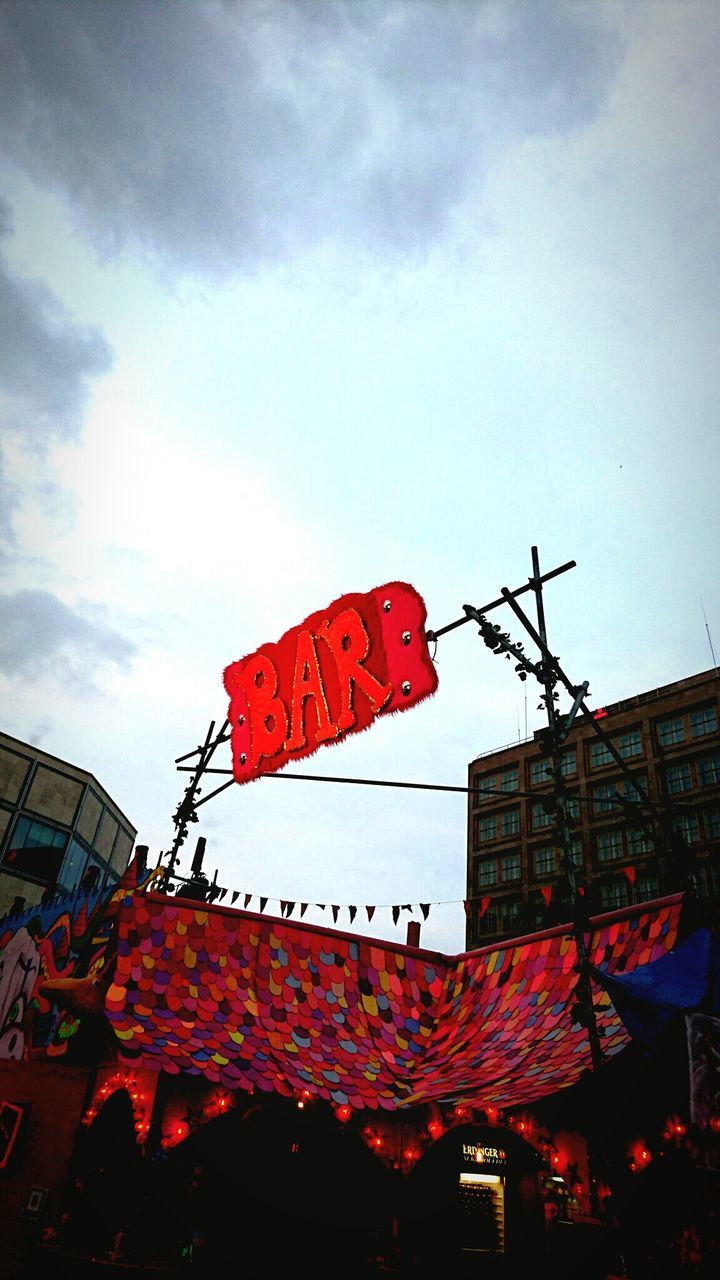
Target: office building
624,850
57,823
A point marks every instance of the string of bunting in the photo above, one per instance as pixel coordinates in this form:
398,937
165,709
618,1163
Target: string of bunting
288,907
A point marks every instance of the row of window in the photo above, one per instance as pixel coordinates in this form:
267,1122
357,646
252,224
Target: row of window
490,827
508,867
669,732
508,915
691,774
51,856
628,843
683,728
606,797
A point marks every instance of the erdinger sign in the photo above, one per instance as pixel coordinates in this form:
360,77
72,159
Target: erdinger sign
362,657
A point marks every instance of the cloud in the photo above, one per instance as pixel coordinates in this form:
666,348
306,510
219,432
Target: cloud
219,136
46,358
46,361
38,631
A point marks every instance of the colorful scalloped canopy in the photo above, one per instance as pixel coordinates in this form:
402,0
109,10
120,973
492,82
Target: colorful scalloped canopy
258,1002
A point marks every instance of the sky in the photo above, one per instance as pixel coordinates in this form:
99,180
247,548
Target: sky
300,297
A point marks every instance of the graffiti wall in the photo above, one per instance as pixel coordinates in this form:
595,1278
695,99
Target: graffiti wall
56,961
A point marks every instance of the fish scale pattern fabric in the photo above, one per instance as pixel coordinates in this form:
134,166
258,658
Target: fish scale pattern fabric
256,1002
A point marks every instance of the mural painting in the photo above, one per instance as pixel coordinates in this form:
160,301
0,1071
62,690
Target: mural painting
55,967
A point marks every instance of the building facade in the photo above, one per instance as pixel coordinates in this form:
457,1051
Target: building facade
624,850
56,823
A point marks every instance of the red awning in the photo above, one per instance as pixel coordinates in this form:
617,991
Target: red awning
258,1002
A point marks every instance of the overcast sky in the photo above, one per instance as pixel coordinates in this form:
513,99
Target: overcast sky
298,297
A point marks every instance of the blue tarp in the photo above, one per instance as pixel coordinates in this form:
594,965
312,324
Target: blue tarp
686,980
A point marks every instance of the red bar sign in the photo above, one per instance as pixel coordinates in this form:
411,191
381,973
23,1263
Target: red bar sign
362,657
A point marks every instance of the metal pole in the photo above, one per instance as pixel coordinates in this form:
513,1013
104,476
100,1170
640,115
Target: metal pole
558,732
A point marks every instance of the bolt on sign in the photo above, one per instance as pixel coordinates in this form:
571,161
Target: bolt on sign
364,656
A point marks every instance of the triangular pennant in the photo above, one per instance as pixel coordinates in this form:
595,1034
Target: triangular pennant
248,898
370,912
222,894
630,874
303,909
236,894
283,905
290,908
484,904
425,908
546,891
335,911
395,914
321,905
263,904
352,911
406,907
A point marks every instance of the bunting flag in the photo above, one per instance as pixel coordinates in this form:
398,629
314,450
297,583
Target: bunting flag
630,873
547,893
287,906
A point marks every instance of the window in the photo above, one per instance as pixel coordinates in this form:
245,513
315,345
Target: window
72,869
677,778
645,888
609,846
688,827
541,818
36,850
631,790
483,787
540,771
711,819
639,842
510,822
488,922
512,913
510,866
614,894
567,762
599,754
572,807
671,731
576,852
708,771
486,828
487,872
703,722
545,860
629,744
509,780
604,797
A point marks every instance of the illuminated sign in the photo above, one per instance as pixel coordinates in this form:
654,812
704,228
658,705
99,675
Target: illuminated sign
362,657
484,1155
